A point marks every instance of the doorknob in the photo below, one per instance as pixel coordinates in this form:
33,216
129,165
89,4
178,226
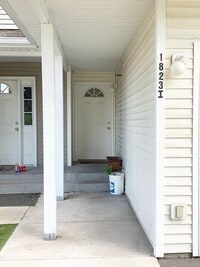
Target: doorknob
16,129
108,128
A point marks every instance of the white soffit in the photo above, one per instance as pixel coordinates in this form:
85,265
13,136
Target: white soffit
93,33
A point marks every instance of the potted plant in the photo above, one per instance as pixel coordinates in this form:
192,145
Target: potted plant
115,163
116,181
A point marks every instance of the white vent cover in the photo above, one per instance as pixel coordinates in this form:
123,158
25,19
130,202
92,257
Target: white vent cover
178,211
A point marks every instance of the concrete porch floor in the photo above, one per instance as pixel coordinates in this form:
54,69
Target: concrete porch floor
94,229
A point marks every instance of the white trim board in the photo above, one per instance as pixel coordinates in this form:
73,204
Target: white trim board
160,26
69,117
196,163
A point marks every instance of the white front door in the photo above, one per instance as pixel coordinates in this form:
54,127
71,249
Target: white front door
9,122
93,121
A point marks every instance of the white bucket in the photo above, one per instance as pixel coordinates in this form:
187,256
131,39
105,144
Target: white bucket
116,181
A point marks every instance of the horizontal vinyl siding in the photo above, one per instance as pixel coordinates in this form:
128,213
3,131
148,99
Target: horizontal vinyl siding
92,76
32,69
183,20
135,122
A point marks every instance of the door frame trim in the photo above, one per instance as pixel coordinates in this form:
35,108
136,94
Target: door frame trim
196,147
19,80
112,104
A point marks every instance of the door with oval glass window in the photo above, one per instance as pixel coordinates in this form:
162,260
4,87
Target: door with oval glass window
93,121
9,122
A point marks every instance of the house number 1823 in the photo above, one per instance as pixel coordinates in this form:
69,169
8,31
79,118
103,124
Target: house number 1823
161,77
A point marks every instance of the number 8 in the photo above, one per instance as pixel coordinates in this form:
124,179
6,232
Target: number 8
161,66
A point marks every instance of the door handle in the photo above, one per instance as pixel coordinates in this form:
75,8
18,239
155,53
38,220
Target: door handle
108,128
16,129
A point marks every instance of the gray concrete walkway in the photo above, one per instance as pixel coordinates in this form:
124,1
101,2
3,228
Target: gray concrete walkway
94,229
12,215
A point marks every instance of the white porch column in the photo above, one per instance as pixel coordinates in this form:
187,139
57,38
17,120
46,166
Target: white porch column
59,127
49,130
69,117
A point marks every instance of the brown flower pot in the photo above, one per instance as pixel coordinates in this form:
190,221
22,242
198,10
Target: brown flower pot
115,163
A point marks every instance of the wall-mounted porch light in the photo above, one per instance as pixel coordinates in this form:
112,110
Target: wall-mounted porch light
178,64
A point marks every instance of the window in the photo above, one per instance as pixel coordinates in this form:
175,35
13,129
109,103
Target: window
28,107
94,92
4,88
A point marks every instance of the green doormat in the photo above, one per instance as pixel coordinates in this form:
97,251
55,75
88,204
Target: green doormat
6,231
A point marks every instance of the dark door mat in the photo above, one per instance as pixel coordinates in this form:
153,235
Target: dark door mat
12,200
92,161
6,168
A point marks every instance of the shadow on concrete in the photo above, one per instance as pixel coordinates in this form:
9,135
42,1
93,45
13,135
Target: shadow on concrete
13,200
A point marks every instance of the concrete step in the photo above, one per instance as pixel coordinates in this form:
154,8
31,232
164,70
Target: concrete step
21,178
86,182
78,178
86,178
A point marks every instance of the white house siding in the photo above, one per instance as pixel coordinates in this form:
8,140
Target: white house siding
183,28
93,76
135,121
33,69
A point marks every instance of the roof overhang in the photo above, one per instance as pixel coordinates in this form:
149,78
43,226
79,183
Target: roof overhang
91,34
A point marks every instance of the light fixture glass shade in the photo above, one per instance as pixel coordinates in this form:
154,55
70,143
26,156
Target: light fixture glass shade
178,68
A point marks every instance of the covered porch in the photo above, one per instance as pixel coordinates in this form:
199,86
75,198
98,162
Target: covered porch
123,40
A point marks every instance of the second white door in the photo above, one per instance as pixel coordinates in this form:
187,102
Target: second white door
93,121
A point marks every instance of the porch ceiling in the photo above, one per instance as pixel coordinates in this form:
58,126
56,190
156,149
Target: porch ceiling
92,33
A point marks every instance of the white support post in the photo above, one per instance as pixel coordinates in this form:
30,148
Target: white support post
69,117
59,127
112,119
41,10
160,38
49,130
